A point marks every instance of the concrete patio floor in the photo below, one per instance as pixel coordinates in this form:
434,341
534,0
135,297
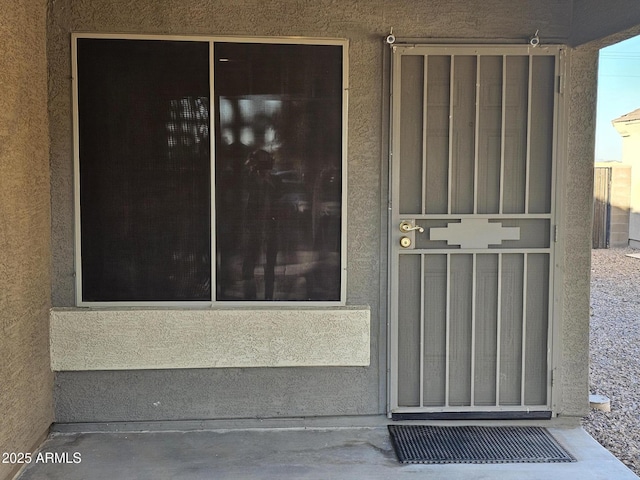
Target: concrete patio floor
287,453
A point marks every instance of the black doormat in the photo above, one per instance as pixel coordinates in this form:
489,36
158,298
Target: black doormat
437,445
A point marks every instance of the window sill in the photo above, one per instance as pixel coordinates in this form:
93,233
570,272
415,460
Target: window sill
139,339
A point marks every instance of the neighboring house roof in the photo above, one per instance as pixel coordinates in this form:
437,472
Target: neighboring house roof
628,124
628,117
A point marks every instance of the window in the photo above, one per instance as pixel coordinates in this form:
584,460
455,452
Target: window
209,170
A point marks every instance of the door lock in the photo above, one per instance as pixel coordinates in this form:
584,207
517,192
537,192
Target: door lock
406,227
405,242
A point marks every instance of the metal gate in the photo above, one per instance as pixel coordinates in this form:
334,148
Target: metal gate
472,229
601,207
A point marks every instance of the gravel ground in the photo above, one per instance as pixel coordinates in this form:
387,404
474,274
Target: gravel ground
615,353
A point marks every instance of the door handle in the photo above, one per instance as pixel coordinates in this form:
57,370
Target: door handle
406,227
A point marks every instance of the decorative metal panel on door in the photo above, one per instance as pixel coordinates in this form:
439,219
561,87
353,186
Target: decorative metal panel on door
472,228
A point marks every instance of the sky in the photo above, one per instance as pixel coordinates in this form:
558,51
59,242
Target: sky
618,93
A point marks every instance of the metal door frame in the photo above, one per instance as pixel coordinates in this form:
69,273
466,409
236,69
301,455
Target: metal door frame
559,148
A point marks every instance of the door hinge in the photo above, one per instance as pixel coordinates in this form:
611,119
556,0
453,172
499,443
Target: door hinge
560,84
555,234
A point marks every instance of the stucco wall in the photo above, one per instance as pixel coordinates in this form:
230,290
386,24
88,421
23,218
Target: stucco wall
630,132
595,19
263,392
25,376
574,259
208,338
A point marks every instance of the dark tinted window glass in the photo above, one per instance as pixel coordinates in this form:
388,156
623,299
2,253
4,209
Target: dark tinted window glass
278,171
143,112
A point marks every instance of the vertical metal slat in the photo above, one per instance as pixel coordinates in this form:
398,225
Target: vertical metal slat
451,98
498,328
524,327
424,133
528,166
422,301
477,137
503,135
474,285
424,206
447,333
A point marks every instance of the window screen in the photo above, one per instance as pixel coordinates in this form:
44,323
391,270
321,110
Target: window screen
278,171
145,170
144,147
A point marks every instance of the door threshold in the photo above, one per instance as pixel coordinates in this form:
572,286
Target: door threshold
538,415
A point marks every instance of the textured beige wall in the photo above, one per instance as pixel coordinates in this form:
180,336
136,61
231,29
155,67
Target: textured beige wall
630,132
154,339
574,258
25,254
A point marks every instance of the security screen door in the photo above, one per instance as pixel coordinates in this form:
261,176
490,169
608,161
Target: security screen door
472,230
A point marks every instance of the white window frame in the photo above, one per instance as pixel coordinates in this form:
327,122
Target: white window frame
212,40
